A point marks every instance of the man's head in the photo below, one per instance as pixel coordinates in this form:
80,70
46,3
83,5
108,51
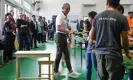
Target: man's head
92,15
130,14
48,21
66,8
34,17
8,17
112,3
12,12
40,18
44,18
24,17
21,16
120,9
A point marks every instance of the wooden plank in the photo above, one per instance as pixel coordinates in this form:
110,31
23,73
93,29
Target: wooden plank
32,52
31,78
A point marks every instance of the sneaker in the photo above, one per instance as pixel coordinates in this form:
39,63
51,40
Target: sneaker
6,62
73,75
78,73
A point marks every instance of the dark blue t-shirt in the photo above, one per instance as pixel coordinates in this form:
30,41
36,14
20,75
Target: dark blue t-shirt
108,26
7,24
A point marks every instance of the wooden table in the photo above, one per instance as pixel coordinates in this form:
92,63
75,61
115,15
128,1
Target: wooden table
20,54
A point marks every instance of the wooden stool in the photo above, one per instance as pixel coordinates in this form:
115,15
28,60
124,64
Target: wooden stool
42,62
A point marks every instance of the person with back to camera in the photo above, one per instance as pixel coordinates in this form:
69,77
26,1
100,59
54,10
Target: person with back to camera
106,30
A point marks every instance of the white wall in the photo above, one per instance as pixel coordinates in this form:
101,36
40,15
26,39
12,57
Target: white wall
53,7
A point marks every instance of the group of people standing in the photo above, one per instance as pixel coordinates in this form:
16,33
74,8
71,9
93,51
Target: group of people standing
27,32
105,30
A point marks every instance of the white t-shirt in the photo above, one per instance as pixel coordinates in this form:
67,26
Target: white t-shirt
61,20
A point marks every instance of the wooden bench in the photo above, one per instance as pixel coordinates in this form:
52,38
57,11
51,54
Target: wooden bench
21,54
44,62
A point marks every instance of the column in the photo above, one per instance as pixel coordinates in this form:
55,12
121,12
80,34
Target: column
2,14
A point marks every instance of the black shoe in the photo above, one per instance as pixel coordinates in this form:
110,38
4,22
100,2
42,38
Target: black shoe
6,62
36,47
14,50
12,58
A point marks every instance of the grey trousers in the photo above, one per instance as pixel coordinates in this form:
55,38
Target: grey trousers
109,67
62,48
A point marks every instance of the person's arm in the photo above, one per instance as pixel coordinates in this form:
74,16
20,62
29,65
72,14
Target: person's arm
8,30
62,29
124,34
93,33
84,27
125,43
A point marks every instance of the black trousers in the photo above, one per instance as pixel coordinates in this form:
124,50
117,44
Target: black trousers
109,67
13,43
62,48
34,40
8,47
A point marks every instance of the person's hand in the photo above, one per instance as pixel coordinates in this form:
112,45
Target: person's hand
69,28
129,56
67,31
93,51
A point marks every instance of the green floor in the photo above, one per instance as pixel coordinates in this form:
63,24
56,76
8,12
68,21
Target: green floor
29,66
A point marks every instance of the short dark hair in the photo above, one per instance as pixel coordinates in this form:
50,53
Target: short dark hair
113,3
65,4
130,12
11,11
7,14
33,16
92,14
120,8
40,17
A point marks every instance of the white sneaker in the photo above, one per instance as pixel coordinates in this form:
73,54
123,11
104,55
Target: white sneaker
78,73
73,75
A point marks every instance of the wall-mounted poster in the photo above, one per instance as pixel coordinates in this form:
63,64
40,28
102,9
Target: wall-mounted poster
73,20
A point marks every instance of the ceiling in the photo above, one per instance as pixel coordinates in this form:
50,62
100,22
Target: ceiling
29,1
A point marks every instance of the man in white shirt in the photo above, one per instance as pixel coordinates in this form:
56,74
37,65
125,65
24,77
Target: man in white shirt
62,30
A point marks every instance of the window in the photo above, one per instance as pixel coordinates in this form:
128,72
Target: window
6,8
18,1
15,13
9,8
15,0
26,5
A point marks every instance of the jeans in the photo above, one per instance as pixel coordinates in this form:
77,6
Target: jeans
23,42
62,48
90,61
